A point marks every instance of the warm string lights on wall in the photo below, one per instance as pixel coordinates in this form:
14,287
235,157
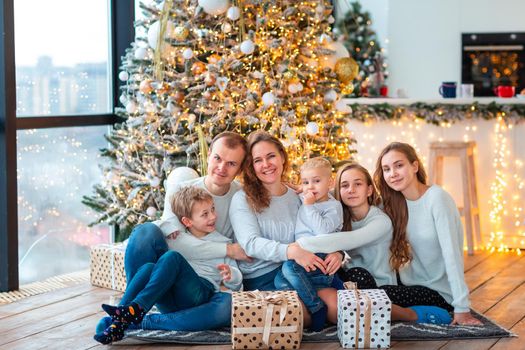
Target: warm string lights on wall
506,206
507,217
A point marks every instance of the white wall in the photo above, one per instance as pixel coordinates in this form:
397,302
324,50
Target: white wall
424,36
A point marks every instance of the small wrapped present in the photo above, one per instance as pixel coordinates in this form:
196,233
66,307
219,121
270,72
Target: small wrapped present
266,320
363,318
107,266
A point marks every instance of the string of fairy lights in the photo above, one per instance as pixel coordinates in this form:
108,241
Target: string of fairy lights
502,203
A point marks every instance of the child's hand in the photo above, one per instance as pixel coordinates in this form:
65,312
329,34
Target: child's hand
333,263
309,198
226,272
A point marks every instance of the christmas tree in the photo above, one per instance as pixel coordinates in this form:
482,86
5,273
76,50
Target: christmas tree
359,38
203,67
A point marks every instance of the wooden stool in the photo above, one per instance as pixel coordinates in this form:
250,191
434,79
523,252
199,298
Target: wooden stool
470,211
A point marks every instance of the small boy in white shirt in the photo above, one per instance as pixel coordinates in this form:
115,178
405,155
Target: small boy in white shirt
320,214
170,284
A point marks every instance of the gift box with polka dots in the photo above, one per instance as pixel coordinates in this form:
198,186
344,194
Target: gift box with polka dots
266,320
363,318
107,266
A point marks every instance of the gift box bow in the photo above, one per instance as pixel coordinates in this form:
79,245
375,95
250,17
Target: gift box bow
351,286
270,300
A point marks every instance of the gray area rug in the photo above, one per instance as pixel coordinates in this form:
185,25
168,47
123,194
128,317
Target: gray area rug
400,331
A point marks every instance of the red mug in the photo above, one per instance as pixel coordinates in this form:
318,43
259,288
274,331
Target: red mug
505,91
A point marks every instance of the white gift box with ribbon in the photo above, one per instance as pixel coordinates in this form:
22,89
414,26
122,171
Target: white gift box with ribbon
363,318
107,266
266,320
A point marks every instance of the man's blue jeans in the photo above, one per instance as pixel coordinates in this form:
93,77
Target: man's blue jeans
158,276
294,276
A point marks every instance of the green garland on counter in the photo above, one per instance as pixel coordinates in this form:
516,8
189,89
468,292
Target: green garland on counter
439,113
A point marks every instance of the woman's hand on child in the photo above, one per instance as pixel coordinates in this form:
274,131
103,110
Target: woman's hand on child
309,261
173,235
466,318
333,262
225,271
235,252
297,188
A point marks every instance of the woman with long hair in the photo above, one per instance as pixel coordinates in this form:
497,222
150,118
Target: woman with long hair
427,242
263,215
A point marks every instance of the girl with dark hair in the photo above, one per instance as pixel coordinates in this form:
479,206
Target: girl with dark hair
427,243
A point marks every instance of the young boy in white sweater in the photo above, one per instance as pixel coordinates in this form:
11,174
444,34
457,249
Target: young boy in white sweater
319,214
172,284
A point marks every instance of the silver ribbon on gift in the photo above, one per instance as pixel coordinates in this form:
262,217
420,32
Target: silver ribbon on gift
268,300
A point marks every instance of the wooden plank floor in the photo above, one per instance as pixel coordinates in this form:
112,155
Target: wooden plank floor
66,318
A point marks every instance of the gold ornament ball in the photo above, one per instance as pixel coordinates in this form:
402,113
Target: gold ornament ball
302,110
181,33
198,68
347,89
346,69
145,87
178,96
214,58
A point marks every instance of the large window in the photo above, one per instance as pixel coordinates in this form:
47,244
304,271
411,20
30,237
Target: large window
62,61
66,58
62,69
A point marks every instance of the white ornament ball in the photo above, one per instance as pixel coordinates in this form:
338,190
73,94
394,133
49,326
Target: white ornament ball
234,13
226,28
123,99
192,118
123,76
331,19
340,52
330,96
151,212
179,175
292,88
131,107
141,53
154,182
312,128
247,47
214,7
343,107
299,86
268,98
187,54
153,34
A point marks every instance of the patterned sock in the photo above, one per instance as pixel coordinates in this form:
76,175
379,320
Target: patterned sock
131,313
318,319
113,333
431,314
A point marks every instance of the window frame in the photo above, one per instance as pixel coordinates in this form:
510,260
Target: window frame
122,33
